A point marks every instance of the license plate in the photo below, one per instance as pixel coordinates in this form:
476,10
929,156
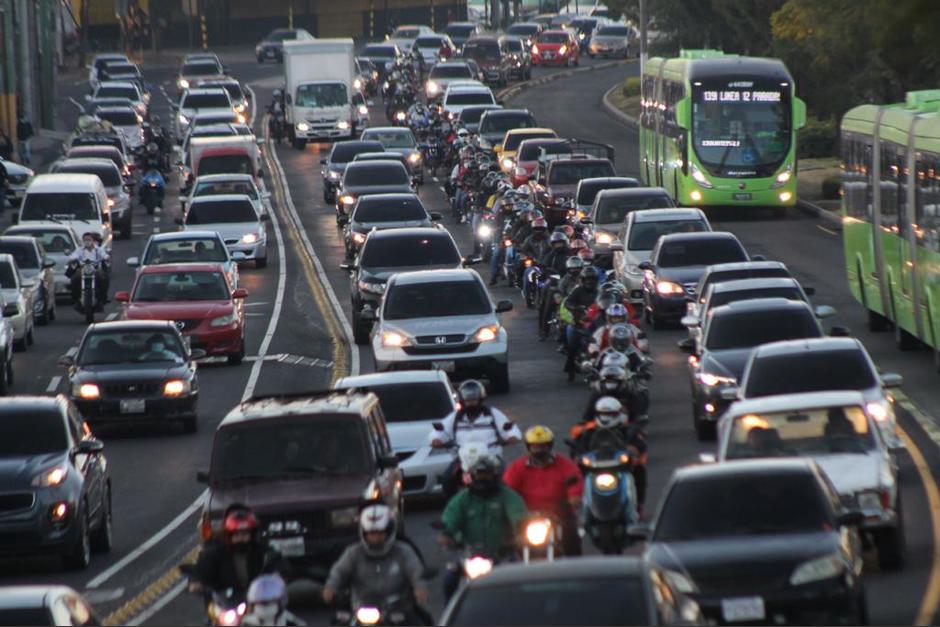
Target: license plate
743,196
549,55
743,609
446,366
288,547
133,406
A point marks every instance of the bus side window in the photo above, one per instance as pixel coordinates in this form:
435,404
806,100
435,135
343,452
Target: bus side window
889,186
928,199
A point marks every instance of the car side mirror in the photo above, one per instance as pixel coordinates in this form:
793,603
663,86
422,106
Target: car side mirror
197,353
90,446
122,297
645,265
824,311
639,531
202,476
435,216
239,293
67,361
851,518
891,380
503,306
133,262
616,246
388,461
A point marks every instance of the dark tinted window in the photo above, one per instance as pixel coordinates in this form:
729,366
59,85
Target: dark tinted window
218,188
25,433
217,100
101,152
481,50
553,38
296,447
201,68
7,276
501,122
523,30
24,253
726,296
613,209
221,211
459,30
110,177
410,250
213,119
398,401
470,98
120,118
117,91
530,150
392,138
472,115
436,299
723,276
572,172
514,45
25,616
643,235
753,328
381,52
700,252
450,71
743,504
587,191
122,347
815,371
344,152
371,211
180,286
281,35
60,206
405,33
429,42
582,601
225,164
196,250
376,174
612,31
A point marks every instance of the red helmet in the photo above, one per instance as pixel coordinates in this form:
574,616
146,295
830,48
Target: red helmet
239,520
576,245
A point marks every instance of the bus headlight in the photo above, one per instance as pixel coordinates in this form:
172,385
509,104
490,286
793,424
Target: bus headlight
783,178
700,177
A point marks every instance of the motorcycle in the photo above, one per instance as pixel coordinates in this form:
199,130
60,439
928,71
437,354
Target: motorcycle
223,607
483,238
276,126
152,189
540,537
384,612
88,302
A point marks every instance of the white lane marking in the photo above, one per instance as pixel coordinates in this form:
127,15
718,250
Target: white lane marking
160,603
111,316
255,315
156,229
258,303
443,191
150,543
158,209
54,383
436,180
156,219
254,105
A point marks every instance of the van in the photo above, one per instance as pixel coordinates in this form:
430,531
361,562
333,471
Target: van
236,154
75,200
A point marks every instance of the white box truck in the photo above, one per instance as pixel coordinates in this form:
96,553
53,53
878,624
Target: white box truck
318,93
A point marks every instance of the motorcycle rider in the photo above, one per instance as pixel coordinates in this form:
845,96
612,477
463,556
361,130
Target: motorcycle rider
276,115
485,517
267,603
380,567
555,262
90,250
576,303
549,482
535,246
613,382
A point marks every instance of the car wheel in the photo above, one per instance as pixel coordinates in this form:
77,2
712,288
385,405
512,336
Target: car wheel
5,377
30,339
861,609
236,358
499,379
890,544
43,319
704,430
261,262
361,329
102,538
79,557
9,370
260,59
298,144
52,308
190,424
607,541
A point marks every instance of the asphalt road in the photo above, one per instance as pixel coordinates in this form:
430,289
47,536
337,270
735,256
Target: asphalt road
153,468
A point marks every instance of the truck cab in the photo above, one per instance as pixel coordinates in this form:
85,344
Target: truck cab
319,77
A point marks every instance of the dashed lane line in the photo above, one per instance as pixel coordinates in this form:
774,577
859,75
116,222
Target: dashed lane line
54,384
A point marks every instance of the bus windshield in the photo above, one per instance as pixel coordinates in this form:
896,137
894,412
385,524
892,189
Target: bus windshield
741,131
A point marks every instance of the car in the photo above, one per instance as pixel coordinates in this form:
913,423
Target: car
478,75
131,371
271,45
469,117
19,301
58,242
385,156
120,70
496,123
204,102
18,179
429,47
384,211
56,481
588,189
458,97
196,295
195,70
831,363
370,177
236,94
443,74
526,159
384,55
584,591
460,32
834,430
764,540
215,118
560,21
78,201
585,27
721,272
526,32
45,605
675,265
544,19
612,40
638,236
125,121
389,251
367,76
400,140
520,58
562,175
441,319
509,145
35,271
214,130
205,55
492,55
409,423
189,246
120,212
99,63
304,463
721,353
555,47
235,218
7,347
405,35
218,184
98,145
121,89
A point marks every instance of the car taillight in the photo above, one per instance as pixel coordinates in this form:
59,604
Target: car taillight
205,528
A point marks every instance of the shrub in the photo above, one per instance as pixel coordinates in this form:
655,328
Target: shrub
631,87
817,139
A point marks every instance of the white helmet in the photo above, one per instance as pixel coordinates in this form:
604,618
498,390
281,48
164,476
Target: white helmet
609,412
267,597
463,133
381,518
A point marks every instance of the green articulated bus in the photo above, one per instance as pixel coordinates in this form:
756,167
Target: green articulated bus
720,130
891,215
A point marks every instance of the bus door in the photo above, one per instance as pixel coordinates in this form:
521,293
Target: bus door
879,224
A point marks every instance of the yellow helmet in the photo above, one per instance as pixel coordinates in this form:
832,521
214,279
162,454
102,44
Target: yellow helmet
539,435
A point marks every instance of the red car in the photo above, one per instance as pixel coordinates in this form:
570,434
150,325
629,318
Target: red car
555,47
197,296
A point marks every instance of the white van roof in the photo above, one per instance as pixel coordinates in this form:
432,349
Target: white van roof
64,183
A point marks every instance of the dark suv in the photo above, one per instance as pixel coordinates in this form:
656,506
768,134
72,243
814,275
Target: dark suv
335,164
492,55
305,463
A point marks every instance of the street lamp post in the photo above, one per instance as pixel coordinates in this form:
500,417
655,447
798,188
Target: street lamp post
643,21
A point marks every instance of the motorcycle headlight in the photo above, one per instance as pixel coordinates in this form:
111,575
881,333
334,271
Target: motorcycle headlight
366,615
334,175
538,531
487,334
433,88
400,116
183,83
342,125
563,49
51,477
175,387
414,157
507,163
606,481
224,321
357,83
241,118
700,177
817,569
363,110
303,127
347,199
484,230
603,238
668,288
477,566
358,237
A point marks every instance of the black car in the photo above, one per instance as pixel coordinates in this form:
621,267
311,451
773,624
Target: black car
722,272
761,541
55,488
370,177
729,334
384,211
335,164
495,123
460,32
674,268
469,117
126,372
272,46
382,55
44,605
521,57
395,250
583,591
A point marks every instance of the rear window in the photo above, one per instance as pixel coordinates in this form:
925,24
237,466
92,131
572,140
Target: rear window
201,68
588,191
28,433
436,299
803,371
818,431
700,252
344,153
410,251
155,287
472,115
381,52
644,235
514,45
752,328
406,33
90,153
392,139
502,121
198,250
221,211
217,188
110,177
283,35
120,118
376,174
52,241
429,42
398,401
553,38
218,100
481,50
723,276
725,297
376,211
572,172
524,30
459,30
225,164
59,206
7,275
530,151
115,91
24,253
470,98
612,31
450,71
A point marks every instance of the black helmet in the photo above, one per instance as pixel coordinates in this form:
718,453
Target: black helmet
590,273
621,337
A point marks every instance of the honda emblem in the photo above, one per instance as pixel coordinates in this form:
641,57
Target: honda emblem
440,339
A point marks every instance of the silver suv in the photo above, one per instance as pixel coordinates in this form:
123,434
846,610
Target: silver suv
445,320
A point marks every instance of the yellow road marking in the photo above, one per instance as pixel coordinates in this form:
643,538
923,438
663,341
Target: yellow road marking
151,593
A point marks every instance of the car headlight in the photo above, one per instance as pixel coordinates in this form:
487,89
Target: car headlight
681,582
700,177
879,411
224,321
249,238
347,199
183,83
487,334
371,287
183,119
507,163
783,178
357,83
606,481
414,157
394,339
484,230
817,569
175,387
535,49
368,615
241,118
363,110
433,88
87,391
712,380
668,288
303,127
345,517
400,116
51,477
563,49
333,174
342,125
602,237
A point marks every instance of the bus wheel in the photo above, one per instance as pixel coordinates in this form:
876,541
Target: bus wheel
904,340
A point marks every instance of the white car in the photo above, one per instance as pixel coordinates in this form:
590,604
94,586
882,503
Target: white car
195,69
189,246
461,95
119,198
408,423
836,431
126,121
17,296
219,184
6,349
404,36
35,273
58,241
18,179
443,74
121,89
99,64
193,101
234,217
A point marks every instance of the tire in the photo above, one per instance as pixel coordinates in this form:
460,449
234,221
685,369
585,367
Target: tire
904,340
30,337
890,543
5,377
876,322
499,379
236,358
607,541
190,424
79,555
704,430
261,262
102,537
89,307
53,310
361,330
44,316
298,144
658,323
861,609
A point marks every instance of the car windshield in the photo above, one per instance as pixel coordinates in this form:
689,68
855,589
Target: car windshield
120,118
643,235
7,276
504,121
818,431
470,98
514,45
459,30
436,299
525,30
89,152
398,401
295,447
221,211
700,252
214,119
372,173
723,276
59,206
281,35
588,190
130,347
190,285
405,33
203,249
371,210
225,164
553,38
53,241
573,171
116,91
809,371
345,152
450,71
728,296
429,42
201,68
618,600
216,188
612,31
379,52
392,139
402,251
322,95
110,176
472,115
481,50
746,329
31,432
24,253
215,100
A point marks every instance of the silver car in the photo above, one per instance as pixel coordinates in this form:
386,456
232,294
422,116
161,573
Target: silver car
409,423
234,217
189,247
442,320
58,242
18,178
218,184
125,121
612,40
18,298
835,430
36,270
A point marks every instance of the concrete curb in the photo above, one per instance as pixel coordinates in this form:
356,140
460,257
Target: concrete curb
614,111
515,90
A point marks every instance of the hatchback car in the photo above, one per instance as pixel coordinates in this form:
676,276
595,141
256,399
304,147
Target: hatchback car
100,62
236,94
612,40
121,89
36,270
19,298
384,211
58,242
341,154
190,246
235,218
130,372
402,141
220,184
723,272
55,486
45,605
370,177
201,101
555,47
115,186
405,35
444,320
